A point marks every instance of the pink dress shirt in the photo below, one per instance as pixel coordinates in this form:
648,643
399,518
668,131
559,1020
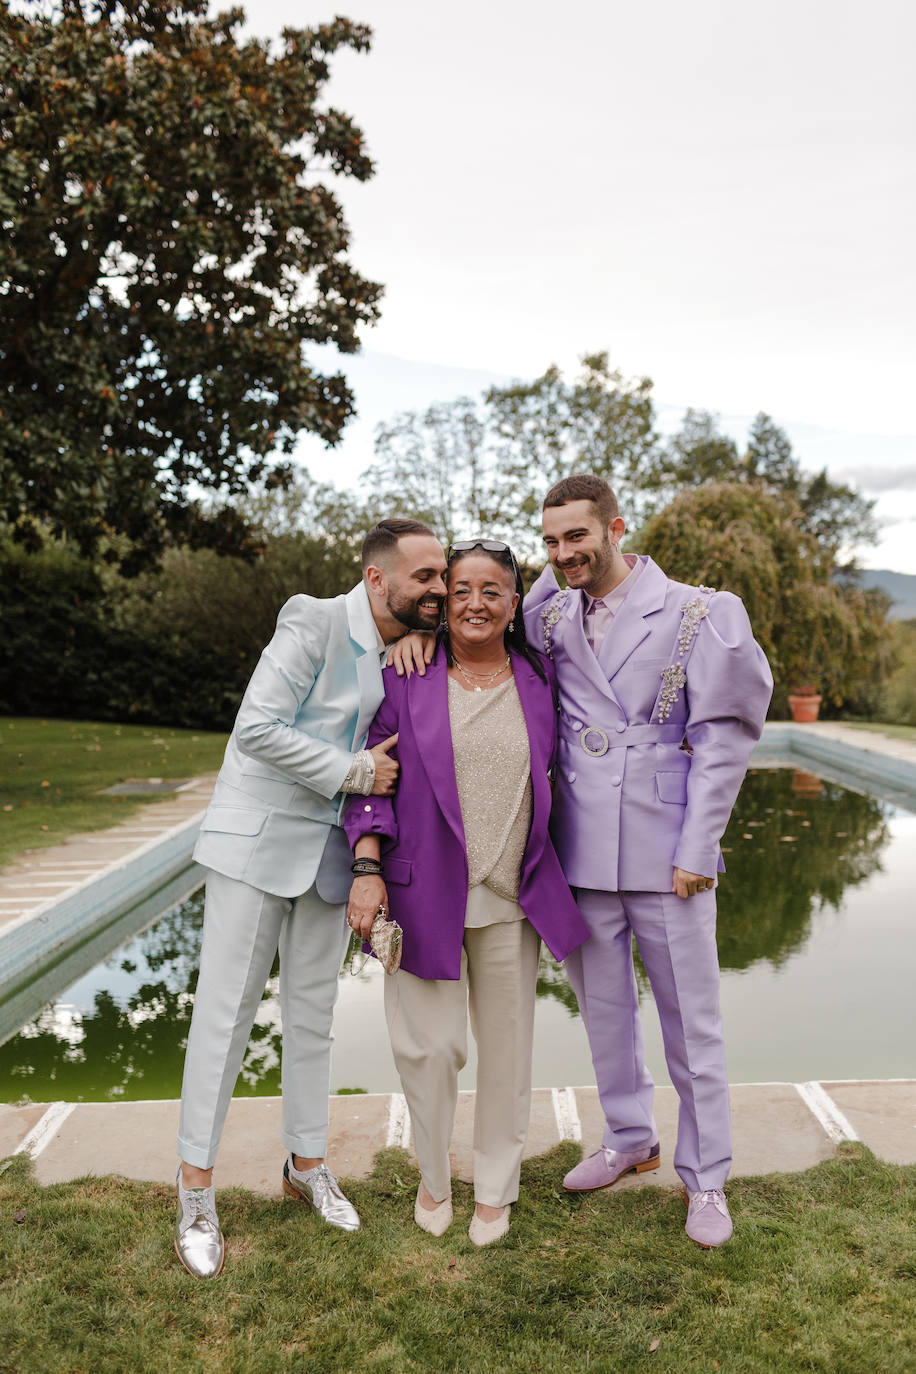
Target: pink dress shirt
600,610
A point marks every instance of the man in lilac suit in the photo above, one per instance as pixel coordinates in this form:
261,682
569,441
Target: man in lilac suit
663,693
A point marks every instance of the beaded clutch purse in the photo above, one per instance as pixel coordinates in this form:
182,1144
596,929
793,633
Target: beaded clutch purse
385,938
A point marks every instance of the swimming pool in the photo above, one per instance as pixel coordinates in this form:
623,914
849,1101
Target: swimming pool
816,944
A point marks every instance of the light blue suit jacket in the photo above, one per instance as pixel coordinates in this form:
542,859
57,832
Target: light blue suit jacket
273,819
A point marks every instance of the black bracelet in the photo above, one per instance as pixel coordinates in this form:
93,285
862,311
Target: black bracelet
367,867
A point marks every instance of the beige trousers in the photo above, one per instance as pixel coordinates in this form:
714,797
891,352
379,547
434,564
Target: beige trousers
427,1022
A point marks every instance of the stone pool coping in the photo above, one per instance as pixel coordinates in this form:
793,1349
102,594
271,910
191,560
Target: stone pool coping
777,1128
52,899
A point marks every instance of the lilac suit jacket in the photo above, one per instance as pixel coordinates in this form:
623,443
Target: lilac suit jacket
423,845
624,818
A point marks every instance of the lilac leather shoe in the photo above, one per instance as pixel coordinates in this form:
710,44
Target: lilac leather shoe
605,1166
708,1222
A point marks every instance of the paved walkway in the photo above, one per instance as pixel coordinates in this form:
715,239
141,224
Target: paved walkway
778,1127
39,877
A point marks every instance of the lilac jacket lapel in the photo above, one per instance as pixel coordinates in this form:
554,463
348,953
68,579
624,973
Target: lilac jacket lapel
630,627
578,647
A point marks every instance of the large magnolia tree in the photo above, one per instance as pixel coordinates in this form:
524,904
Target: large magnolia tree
170,248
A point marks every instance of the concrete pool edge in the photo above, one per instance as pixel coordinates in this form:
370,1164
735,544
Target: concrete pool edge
46,933
873,758
778,1128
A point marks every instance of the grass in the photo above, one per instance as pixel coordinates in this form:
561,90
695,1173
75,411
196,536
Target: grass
893,731
51,772
820,1276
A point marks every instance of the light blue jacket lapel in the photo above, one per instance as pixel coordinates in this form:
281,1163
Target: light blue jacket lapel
368,665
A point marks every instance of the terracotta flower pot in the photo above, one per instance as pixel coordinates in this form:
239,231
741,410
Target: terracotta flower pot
805,708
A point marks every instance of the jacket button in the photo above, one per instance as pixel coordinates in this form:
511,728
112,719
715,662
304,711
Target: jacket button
616,780
571,777
620,727
575,724
367,808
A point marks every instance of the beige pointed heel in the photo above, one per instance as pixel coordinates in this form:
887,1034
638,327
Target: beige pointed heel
485,1232
435,1220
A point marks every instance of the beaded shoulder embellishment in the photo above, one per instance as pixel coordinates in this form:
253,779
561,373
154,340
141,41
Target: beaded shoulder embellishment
674,677
549,617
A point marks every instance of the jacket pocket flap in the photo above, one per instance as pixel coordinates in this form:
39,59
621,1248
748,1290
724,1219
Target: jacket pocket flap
398,871
233,820
671,787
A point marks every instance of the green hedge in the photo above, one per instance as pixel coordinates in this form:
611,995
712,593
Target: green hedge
174,647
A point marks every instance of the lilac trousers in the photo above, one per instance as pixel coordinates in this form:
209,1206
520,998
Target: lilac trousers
677,943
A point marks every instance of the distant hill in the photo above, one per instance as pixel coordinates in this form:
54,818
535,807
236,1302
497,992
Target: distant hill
900,587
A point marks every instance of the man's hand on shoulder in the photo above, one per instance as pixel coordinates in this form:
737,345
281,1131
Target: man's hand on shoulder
413,651
689,884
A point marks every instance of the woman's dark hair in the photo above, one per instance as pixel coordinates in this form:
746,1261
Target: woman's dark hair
516,638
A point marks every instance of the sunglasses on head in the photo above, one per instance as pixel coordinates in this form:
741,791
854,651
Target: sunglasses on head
488,545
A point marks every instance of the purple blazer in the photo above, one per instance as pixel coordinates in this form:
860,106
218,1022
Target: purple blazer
630,804
423,845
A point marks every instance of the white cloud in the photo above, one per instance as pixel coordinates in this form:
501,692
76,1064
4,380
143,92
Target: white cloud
881,477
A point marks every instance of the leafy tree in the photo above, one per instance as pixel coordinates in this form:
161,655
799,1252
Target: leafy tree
898,698
466,466
837,515
436,465
544,430
736,536
170,248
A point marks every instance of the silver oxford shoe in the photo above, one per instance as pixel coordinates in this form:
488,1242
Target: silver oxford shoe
320,1189
199,1242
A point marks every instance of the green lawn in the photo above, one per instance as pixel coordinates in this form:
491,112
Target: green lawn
820,1276
894,731
51,772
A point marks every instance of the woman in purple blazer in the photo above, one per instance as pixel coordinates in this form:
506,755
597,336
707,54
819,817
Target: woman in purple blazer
461,858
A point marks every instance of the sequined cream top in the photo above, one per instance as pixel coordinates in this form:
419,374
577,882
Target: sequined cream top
493,771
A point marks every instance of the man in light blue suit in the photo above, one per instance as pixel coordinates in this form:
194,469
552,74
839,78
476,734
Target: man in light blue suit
279,867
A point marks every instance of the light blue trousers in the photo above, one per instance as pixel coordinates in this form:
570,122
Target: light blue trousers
243,929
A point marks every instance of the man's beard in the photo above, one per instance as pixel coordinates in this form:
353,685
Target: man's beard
407,612
596,564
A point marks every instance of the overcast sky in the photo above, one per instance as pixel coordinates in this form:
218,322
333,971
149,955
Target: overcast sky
721,195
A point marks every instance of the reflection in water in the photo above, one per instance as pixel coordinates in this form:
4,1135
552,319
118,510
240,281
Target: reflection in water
793,845
793,848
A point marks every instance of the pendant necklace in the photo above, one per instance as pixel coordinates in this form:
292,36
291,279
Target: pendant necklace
468,674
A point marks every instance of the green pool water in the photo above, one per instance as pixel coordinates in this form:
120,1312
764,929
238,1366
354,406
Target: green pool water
816,943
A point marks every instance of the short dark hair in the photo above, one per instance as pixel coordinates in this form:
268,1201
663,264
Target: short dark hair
585,487
383,538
